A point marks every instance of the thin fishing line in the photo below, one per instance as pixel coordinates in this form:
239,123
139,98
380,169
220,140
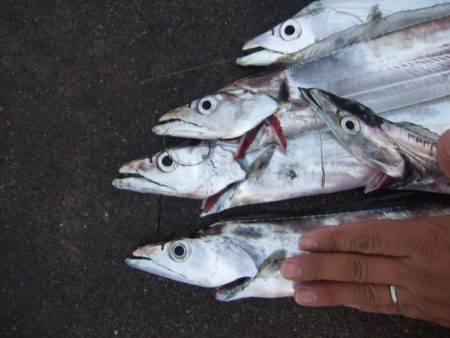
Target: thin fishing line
162,76
167,150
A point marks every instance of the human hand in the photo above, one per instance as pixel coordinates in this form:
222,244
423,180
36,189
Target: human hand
354,265
443,153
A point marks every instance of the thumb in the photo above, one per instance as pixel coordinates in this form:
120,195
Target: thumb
443,153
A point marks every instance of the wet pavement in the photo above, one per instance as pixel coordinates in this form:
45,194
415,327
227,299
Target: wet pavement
78,96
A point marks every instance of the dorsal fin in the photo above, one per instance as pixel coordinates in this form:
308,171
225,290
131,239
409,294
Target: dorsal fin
378,26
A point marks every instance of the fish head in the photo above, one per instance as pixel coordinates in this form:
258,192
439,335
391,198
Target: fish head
208,261
191,171
227,114
284,42
271,47
360,131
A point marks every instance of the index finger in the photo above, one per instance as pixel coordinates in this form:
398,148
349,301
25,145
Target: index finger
398,238
443,153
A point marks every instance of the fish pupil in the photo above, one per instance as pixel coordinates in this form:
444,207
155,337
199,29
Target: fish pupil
178,251
206,105
350,125
289,30
167,161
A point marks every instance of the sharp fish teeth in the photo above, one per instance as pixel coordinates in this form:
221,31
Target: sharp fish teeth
261,58
252,44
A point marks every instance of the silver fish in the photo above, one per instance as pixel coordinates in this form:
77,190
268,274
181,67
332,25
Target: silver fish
192,171
396,70
403,151
392,71
314,163
205,169
222,115
317,22
242,259
303,117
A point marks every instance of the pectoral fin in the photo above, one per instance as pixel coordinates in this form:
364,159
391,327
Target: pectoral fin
260,164
268,283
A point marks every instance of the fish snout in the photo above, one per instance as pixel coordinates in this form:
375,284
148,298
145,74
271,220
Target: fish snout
174,114
135,166
146,251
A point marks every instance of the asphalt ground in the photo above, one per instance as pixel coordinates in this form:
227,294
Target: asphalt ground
80,88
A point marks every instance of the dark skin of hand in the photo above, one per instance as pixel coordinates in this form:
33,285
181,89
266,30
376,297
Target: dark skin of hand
354,265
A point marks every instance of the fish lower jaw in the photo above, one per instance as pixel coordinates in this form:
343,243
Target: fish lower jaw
260,57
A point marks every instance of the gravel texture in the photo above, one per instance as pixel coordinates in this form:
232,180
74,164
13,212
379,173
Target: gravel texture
76,103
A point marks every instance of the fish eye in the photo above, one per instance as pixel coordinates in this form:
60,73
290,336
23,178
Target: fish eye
165,162
179,251
207,105
350,125
290,30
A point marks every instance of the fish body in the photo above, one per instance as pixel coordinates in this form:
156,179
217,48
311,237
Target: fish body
395,70
314,163
303,116
403,151
206,169
242,259
392,71
318,21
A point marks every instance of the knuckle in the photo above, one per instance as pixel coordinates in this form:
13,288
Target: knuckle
406,271
365,241
332,297
430,243
369,295
413,276
317,271
357,269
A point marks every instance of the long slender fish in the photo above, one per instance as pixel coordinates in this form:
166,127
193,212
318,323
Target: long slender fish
315,164
241,259
303,116
405,153
396,70
207,169
317,22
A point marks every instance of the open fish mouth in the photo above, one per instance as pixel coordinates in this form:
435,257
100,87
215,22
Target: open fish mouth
222,293
180,128
138,183
258,56
146,264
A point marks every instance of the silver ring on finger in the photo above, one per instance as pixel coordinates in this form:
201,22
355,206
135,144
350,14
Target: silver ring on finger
393,290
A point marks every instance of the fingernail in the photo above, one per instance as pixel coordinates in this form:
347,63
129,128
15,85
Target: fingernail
290,270
304,297
308,243
354,306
